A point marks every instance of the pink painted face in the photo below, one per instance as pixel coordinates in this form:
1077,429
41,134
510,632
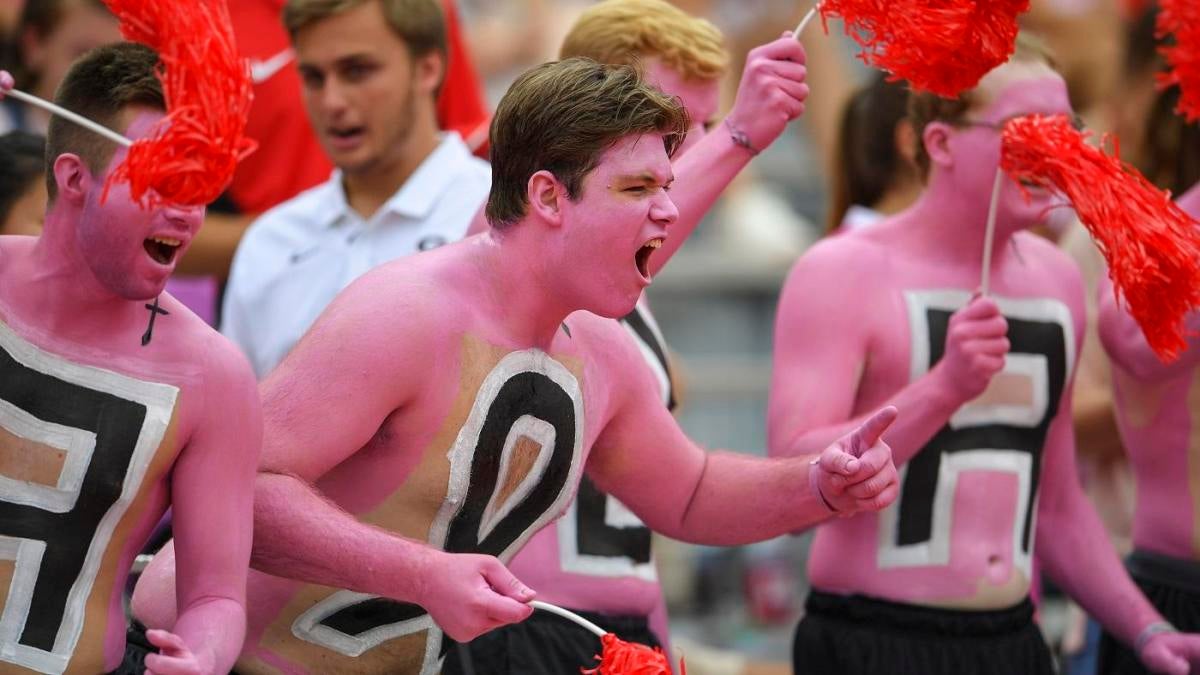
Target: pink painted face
130,250
1009,91
699,97
618,222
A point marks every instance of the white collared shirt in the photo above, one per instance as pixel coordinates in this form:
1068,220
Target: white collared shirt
859,217
296,257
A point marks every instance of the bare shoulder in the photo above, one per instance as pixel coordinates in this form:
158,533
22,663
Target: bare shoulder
397,301
388,327
614,362
605,340
835,267
1044,250
1048,263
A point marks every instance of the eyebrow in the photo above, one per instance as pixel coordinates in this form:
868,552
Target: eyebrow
341,61
644,178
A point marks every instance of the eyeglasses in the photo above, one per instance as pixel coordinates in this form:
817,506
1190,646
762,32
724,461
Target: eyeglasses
1076,122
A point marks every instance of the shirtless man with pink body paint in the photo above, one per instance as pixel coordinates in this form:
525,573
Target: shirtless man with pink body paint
597,559
110,413
939,582
1156,405
446,405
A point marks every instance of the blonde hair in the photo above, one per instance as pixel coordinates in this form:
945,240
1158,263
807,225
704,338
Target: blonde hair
624,31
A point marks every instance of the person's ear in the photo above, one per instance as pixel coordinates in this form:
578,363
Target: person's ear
545,194
936,138
72,177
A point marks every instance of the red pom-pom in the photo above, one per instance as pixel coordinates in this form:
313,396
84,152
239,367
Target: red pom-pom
940,46
190,157
1180,19
629,658
1151,245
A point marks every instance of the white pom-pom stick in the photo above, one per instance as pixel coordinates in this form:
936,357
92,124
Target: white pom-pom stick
67,114
570,616
989,235
806,20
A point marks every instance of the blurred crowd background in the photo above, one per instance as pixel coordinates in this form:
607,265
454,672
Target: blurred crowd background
716,300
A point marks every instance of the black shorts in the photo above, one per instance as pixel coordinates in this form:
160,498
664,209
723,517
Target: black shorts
544,644
855,635
1173,587
137,648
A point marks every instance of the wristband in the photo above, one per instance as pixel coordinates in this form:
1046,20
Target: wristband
1149,632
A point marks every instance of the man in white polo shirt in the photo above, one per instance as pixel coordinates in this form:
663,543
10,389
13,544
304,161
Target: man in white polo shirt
370,71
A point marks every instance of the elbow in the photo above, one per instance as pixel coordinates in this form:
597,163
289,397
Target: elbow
781,440
227,605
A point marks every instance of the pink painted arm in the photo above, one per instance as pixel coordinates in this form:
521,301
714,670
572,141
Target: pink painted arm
771,94
721,498
814,395
1069,530
1069,533
324,403
212,490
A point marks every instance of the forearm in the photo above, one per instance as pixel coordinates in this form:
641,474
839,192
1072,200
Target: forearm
300,535
213,628
701,175
1075,552
740,499
925,407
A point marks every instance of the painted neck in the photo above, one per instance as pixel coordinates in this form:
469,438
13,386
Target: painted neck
68,298
530,301
957,221
368,190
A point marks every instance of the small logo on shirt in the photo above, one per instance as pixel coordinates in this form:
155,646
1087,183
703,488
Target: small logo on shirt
431,242
261,71
301,255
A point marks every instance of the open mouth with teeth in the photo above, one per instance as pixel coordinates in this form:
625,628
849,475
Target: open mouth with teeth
162,249
643,256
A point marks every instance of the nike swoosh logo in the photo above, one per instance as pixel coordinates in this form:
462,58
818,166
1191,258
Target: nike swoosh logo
261,71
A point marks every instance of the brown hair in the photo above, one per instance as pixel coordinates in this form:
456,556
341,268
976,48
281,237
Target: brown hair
420,24
622,31
924,107
100,86
868,161
1170,156
561,117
